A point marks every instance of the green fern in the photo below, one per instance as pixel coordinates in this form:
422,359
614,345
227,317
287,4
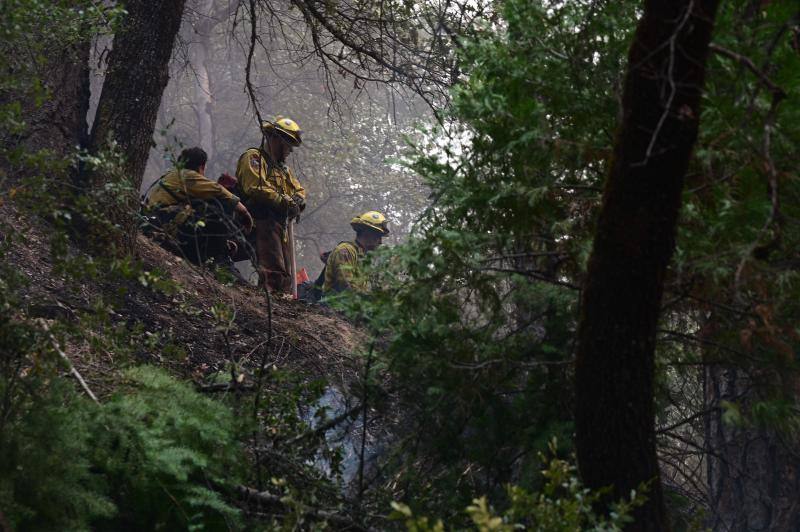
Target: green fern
46,479
164,449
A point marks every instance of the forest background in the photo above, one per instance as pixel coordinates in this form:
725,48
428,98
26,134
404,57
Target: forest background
594,254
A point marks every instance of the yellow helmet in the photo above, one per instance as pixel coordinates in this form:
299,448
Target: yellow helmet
287,128
372,220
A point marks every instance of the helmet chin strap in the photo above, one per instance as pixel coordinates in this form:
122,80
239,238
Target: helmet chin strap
267,148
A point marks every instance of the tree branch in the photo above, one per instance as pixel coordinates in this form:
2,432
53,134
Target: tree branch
349,413
264,497
72,369
746,61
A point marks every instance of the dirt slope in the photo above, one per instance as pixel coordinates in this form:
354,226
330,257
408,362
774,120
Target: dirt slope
309,338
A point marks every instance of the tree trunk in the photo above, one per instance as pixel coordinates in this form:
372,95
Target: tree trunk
203,97
59,123
633,244
753,473
138,71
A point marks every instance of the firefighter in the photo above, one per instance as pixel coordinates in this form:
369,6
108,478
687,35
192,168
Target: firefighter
342,270
275,197
197,212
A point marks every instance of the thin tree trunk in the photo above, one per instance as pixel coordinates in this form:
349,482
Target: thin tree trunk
203,97
633,244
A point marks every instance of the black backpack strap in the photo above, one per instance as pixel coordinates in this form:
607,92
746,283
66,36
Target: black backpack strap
143,207
143,198
171,193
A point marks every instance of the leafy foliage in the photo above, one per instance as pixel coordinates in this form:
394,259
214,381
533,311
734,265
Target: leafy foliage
40,27
46,477
562,505
152,456
167,449
474,316
478,306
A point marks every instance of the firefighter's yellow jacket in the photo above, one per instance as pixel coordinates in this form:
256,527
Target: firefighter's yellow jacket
183,185
266,184
342,269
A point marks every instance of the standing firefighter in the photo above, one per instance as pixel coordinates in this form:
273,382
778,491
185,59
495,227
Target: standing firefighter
275,197
342,270
197,212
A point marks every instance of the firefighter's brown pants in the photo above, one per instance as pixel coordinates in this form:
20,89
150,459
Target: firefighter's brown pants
272,251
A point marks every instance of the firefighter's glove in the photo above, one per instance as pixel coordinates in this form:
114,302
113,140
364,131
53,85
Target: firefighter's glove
300,201
292,208
289,206
285,202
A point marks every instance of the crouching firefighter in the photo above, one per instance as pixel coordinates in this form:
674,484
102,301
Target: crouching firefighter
343,267
197,213
275,197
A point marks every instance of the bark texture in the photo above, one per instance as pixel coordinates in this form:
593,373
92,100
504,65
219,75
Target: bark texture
753,472
138,71
633,244
58,123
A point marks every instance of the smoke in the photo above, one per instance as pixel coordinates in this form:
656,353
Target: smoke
352,131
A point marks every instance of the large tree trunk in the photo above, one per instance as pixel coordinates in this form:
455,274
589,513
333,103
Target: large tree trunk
633,244
138,71
753,472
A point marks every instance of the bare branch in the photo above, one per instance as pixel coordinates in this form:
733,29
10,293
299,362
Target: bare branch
746,61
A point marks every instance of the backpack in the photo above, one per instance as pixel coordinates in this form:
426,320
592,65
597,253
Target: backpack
312,291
